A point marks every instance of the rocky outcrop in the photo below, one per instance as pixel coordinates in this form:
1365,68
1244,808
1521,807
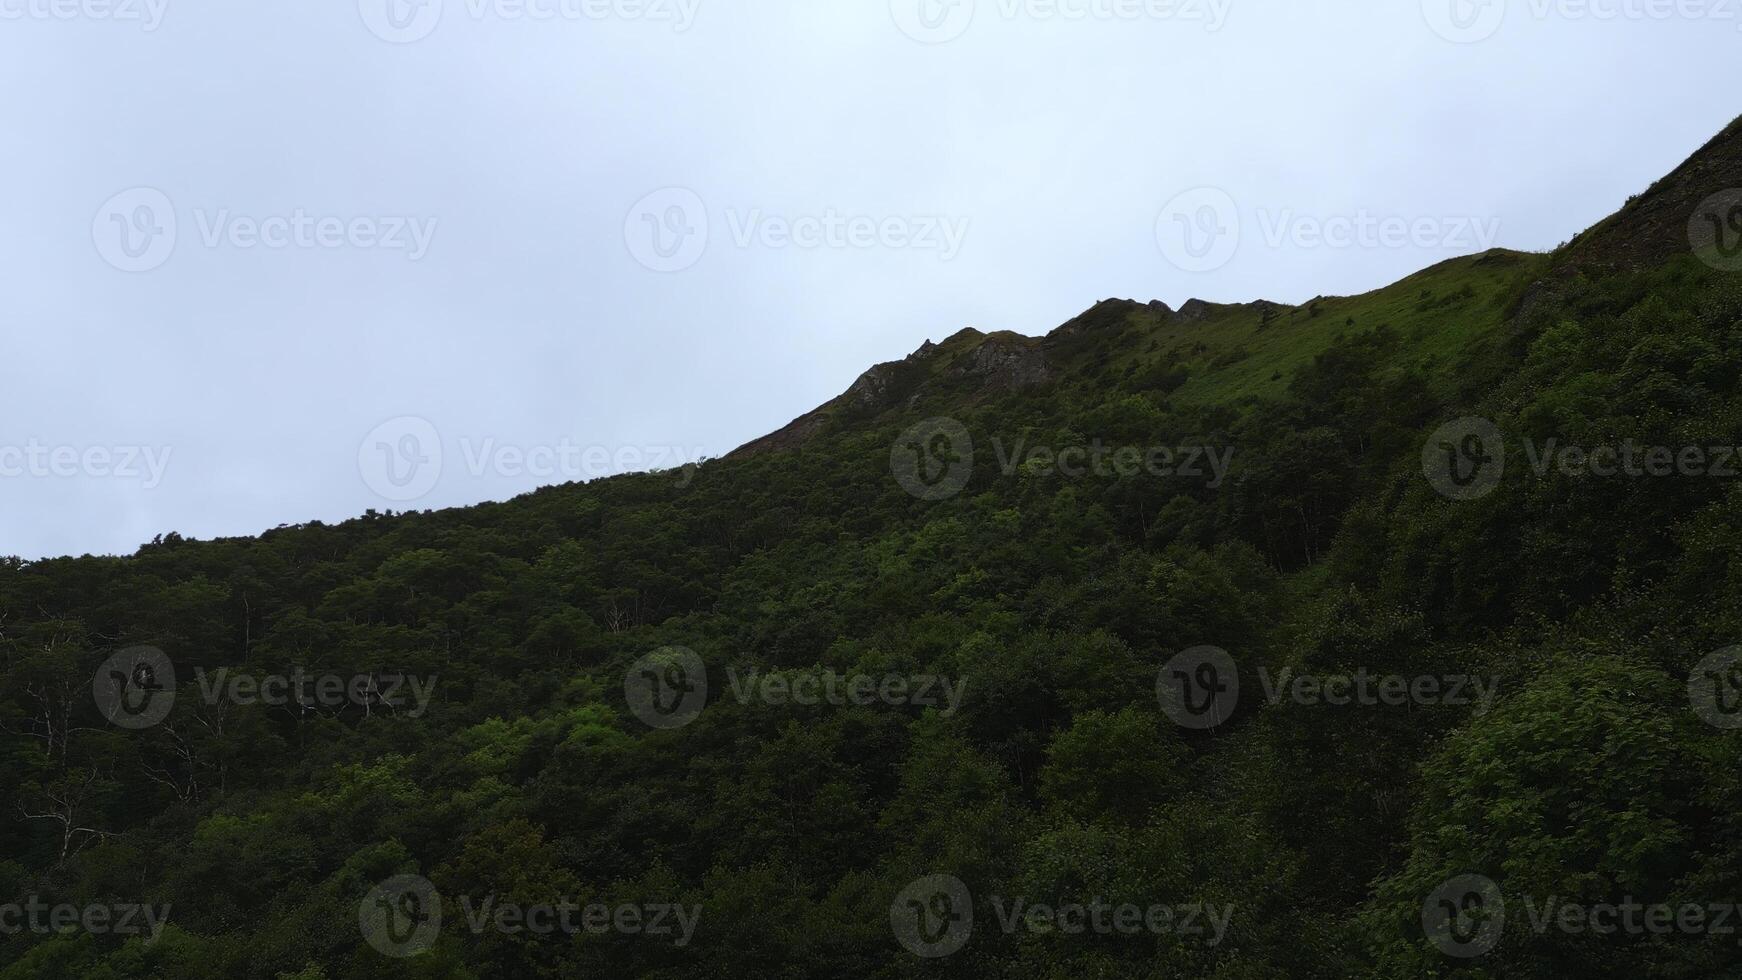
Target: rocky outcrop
1198,311
1004,361
1195,311
1000,361
1107,316
872,389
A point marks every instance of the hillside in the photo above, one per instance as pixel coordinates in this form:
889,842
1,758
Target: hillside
995,559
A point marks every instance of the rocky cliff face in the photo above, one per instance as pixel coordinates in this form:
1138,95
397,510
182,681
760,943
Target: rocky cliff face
1691,206
1004,361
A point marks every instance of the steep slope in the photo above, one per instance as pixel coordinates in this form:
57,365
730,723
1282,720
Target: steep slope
1206,352
991,362
1672,216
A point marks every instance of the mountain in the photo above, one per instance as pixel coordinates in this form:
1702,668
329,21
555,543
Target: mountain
1390,635
1654,227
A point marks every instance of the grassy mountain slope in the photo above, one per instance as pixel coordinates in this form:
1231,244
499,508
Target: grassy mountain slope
1050,599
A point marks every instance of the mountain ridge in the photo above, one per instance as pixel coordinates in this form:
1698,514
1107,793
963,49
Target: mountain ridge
1649,228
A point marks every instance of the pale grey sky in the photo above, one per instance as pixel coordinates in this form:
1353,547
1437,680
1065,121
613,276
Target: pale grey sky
260,259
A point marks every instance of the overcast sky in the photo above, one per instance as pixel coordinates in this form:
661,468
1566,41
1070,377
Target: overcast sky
267,263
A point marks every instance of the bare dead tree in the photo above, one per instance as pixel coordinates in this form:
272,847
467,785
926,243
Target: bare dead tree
183,781
214,718
50,703
65,805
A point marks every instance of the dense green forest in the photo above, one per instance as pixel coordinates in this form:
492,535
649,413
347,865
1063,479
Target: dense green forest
893,692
